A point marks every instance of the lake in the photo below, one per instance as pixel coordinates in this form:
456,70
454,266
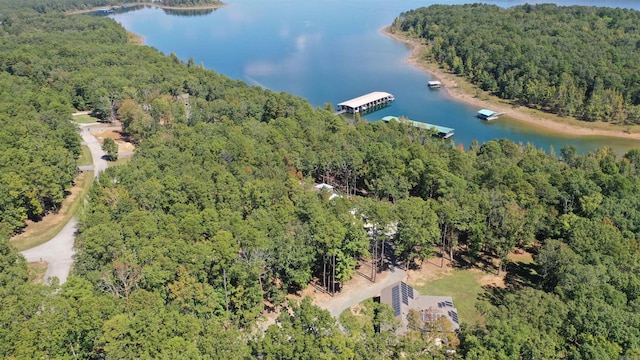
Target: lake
329,51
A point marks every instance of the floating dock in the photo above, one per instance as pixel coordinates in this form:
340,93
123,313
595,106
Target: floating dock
365,103
434,84
443,132
488,115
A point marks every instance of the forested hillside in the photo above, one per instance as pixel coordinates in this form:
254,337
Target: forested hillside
38,143
45,6
215,219
574,61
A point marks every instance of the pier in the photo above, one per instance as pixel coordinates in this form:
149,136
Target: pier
369,102
443,132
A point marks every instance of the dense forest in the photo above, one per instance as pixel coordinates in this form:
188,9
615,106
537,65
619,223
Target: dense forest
215,219
573,61
45,6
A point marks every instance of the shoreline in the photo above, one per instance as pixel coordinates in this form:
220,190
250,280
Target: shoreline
521,114
135,38
154,4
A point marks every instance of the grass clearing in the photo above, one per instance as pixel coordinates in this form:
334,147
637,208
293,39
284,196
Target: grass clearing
121,161
359,315
85,157
37,233
37,271
85,119
464,286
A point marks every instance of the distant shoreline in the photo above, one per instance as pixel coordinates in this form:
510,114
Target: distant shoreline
155,4
523,114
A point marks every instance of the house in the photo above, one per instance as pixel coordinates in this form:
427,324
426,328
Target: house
328,188
323,186
403,299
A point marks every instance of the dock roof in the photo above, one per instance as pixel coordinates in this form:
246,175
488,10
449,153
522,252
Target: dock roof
438,128
486,112
365,99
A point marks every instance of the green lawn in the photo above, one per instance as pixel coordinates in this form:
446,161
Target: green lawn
362,321
464,287
85,157
37,271
121,161
85,119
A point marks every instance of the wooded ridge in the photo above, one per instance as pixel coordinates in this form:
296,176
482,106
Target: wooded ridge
573,61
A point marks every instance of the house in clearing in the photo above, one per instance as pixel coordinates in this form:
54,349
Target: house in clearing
403,299
328,188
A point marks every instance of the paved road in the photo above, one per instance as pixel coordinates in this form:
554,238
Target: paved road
58,252
350,297
99,162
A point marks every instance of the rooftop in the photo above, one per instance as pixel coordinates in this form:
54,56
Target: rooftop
324,186
403,297
365,99
486,112
422,125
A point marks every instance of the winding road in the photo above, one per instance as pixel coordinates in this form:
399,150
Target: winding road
58,252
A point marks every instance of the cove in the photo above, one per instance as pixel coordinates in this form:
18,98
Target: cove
330,51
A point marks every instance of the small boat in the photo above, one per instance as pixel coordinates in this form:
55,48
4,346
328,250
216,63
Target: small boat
434,84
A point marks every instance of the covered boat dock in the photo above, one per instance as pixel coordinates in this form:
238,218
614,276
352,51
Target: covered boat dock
486,114
368,102
443,131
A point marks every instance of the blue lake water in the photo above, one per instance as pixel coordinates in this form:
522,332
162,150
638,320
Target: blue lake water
332,51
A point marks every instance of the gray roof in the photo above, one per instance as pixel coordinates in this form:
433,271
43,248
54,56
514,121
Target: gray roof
402,297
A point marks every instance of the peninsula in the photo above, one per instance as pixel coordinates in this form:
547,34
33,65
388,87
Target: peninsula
461,87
